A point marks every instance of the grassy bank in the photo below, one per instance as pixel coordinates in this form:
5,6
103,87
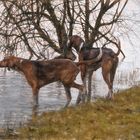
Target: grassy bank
104,119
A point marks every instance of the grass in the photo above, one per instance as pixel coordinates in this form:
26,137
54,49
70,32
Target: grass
102,120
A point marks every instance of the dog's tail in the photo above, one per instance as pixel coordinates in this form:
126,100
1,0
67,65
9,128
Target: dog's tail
119,49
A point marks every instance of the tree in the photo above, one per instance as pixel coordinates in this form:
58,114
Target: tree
36,25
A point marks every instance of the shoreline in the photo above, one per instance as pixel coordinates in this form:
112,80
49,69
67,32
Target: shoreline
103,119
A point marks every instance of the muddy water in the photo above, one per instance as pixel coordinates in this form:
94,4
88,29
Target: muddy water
16,95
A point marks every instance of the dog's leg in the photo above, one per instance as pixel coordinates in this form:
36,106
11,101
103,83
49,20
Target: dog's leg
82,93
113,70
112,75
83,77
89,85
106,72
35,96
106,77
83,69
78,99
68,95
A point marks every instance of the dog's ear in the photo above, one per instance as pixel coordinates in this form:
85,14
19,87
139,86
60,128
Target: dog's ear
11,62
15,62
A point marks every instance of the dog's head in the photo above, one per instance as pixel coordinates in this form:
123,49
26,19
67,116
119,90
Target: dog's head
75,42
10,62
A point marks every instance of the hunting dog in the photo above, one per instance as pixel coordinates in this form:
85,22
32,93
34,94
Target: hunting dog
108,62
41,73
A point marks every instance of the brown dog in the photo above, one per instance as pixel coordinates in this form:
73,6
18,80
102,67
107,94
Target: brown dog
108,62
41,73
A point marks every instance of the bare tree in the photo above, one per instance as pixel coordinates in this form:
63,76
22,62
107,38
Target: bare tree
36,25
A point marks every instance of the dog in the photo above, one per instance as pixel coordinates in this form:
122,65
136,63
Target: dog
108,62
41,73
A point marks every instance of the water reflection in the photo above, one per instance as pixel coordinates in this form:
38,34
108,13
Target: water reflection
16,95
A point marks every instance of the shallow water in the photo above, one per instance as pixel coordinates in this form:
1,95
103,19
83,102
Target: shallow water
16,94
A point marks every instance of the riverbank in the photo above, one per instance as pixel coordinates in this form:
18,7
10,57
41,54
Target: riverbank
103,119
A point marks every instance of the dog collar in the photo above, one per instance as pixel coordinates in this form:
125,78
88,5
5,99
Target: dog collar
81,46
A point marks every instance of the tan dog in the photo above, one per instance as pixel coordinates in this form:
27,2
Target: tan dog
41,73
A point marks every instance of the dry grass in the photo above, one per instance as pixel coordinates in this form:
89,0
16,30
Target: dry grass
104,119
